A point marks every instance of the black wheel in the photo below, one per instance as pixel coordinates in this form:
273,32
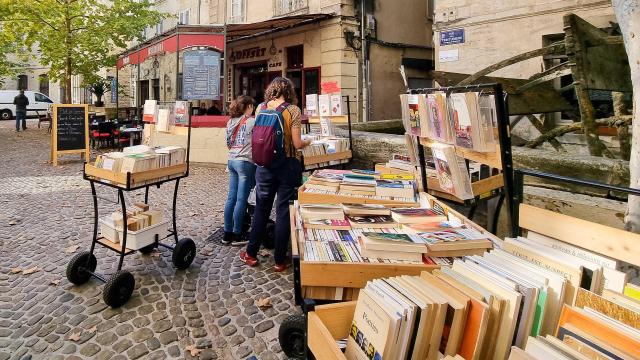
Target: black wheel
6,115
291,336
77,268
270,236
118,289
147,249
184,253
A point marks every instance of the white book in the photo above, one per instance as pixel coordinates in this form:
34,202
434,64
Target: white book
324,105
336,104
312,104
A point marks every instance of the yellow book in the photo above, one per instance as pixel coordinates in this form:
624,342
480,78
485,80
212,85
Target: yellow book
632,291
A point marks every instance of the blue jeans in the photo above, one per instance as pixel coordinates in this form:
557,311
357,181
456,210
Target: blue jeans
241,181
21,117
283,181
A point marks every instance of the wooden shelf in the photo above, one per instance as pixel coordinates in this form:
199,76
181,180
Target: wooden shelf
318,159
114,246
489,158
316,198
118,178
325,325
343,119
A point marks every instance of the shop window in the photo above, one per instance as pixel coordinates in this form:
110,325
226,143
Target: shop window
156,89
44,84
295,57
159,28
23,82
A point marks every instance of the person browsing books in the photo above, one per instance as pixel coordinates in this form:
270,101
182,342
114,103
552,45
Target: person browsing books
276,141
241,168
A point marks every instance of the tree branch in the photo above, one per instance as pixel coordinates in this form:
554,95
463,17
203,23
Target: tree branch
616,121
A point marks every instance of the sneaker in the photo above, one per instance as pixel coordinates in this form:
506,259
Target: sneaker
227,238
280,267
238,240
248,259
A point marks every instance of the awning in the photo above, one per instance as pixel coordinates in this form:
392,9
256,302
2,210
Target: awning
211,36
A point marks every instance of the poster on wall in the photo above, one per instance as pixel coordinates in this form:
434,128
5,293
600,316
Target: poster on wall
201,75
182,113
114,90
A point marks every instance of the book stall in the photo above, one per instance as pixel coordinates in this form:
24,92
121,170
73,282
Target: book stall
552,291
327,149
137,226
466,130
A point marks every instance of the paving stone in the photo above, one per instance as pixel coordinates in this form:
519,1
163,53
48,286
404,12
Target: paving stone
173,350
249,331
229,330
168,337
106,339
89,349
105,354
142,335
153,343
122,345
137,351
124,329
159,355
264,326
161,326
141,321
243,351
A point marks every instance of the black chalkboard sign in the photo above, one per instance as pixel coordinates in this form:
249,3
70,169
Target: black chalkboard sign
71,130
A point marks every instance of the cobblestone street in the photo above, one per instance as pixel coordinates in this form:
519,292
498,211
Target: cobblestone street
46,217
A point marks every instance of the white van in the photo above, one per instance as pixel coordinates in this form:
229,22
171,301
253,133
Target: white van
38,103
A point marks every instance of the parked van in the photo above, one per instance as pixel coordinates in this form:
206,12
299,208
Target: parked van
38,103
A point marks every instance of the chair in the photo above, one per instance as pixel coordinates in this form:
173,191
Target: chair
121,139
104,134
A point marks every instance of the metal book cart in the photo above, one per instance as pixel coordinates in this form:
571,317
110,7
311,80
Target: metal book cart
119,286
500,185
317,282
338,156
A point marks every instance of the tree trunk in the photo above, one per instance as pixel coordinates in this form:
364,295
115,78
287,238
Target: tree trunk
628,14
67,65
620,109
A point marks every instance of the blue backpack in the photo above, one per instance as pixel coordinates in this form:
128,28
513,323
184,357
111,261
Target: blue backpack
267,140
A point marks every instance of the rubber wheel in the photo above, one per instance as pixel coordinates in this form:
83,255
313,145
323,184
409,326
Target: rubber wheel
6,115
292,336
269,241
184,253
147,249
76,269
118,289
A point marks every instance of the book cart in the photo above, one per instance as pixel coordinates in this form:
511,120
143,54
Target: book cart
337,282
338,156
119,287
329,323
484,189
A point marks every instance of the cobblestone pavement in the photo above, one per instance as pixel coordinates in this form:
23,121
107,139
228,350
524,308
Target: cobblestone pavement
46,217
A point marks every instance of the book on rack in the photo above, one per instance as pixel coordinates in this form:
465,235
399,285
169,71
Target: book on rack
365,210
372,222
395,188
326,126
393,242
328,224
401,162
418,215
438,119
336,104
452,172
324,105
413,113
311,104
310,212
473,128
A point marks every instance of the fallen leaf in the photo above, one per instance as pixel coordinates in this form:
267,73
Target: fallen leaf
193,350
206,253
264,253
93,329
264,303
31,270
71,249
16,270
55,282
75,336
156,253
12,222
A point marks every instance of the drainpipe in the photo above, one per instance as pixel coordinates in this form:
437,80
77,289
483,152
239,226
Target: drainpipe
225,84
365,94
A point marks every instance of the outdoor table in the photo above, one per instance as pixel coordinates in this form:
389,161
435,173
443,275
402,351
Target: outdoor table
133,132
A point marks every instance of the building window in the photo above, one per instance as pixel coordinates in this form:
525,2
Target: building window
155,87
283,7
184,17
23,82
237,11
44,84
295,57
310,83
159,28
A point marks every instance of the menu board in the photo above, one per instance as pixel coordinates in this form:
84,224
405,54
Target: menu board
69,130
201,75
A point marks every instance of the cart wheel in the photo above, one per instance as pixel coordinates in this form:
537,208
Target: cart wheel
291,336
184,253
77,268
147,249
270,236
118,289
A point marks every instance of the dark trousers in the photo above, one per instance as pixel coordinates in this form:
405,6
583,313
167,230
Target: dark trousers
281,181
21,118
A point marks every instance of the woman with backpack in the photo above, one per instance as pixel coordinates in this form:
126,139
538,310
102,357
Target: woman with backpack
276,140
241,168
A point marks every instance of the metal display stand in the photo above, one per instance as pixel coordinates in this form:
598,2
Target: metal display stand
119,287
501,158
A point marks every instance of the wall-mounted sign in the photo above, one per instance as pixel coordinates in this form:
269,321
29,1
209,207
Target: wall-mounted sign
275,63
449,55
201,75
246,54
156,49
229,83
114,90
452,37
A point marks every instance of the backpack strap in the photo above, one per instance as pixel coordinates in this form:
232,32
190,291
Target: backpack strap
282,107
231,139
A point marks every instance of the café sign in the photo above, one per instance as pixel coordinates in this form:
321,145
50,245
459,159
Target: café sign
247,54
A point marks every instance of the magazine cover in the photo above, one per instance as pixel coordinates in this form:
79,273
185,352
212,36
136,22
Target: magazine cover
445,177
324,105
312,104
461,119
414,114
336,104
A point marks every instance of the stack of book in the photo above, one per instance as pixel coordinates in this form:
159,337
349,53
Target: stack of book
138,217
401,162
324,146
357,184
141,158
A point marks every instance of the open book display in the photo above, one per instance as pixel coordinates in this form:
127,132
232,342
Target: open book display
458,127
138,165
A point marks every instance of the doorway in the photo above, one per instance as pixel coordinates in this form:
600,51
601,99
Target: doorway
156,89
144,91
254,81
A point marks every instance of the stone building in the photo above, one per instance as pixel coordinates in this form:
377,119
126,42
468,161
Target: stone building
316,43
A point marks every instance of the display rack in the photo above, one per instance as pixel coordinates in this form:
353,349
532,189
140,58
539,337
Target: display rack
119,287
339,156
497,185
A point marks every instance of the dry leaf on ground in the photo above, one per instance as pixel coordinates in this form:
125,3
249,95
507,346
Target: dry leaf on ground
264,253
12,222
16,270
193,350
93,329
30,270
264,303
71,249
156,253
75,336
55,282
